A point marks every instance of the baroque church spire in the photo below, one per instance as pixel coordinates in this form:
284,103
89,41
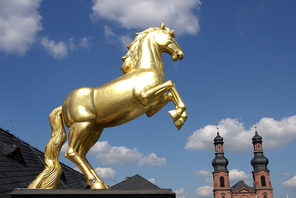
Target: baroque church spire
220,162
262,184
259,161
221,173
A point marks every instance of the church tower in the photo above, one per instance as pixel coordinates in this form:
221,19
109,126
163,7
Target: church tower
262,184
220,174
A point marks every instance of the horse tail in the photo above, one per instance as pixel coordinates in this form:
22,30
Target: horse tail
49,177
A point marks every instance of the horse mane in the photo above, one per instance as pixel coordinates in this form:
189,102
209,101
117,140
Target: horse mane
131,57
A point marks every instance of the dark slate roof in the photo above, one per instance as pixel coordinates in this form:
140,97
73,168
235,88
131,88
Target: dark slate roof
20,164
240,185
218,139
135,182
220,163
257,138
259,162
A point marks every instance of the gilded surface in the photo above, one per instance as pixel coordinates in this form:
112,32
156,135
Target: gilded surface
87,111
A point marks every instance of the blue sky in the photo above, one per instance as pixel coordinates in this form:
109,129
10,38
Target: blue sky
238,71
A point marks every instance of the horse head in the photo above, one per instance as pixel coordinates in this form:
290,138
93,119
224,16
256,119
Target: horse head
165,40
162,37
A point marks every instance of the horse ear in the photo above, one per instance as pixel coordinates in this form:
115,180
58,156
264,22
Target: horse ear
162,25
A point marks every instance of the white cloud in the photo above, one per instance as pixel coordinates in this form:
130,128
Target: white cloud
74,44
106,173
275,134
109,34
100,147
285,174
204,191
84,42
153,160
152,180
120,155
60,49
111,37
64,147
114,155
56,49
206,174
291,183
178,15
209,180
125,40
236,175
107,154
19,23
181,193
71,44
202,173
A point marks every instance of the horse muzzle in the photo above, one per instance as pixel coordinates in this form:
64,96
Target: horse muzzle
178,54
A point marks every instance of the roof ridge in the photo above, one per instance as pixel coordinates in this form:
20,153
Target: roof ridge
22,141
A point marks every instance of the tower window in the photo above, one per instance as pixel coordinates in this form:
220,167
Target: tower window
263,183
222,181
219,148
258,146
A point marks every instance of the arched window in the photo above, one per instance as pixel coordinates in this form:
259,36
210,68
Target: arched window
264,196
222,181
263,183
258,146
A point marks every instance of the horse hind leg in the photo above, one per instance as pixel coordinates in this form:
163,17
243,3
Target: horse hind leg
82,136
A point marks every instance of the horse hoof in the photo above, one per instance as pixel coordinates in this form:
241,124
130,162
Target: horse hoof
179,123
99,185
175,114
107,186
184,116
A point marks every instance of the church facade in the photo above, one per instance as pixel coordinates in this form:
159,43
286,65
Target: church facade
261,180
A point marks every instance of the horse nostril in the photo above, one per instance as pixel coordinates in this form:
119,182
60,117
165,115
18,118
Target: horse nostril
178,55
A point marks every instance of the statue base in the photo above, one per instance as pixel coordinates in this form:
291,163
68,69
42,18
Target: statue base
88,193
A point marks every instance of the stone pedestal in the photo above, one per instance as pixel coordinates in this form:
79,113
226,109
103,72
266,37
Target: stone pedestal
87,193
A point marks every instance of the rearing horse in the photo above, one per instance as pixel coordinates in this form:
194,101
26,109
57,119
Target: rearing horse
87,111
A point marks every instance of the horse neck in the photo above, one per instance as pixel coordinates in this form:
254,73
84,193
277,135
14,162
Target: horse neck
149,56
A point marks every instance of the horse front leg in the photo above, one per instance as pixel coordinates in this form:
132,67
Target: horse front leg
179,115
167,99
146,97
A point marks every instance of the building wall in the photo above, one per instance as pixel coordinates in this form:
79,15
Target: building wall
243,194
221,190
260,189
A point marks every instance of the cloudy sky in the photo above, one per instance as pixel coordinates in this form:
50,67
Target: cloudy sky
238,72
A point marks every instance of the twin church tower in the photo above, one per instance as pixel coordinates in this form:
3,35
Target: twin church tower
262,185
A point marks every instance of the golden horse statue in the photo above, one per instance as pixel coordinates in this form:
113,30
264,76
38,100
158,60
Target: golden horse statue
87,111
